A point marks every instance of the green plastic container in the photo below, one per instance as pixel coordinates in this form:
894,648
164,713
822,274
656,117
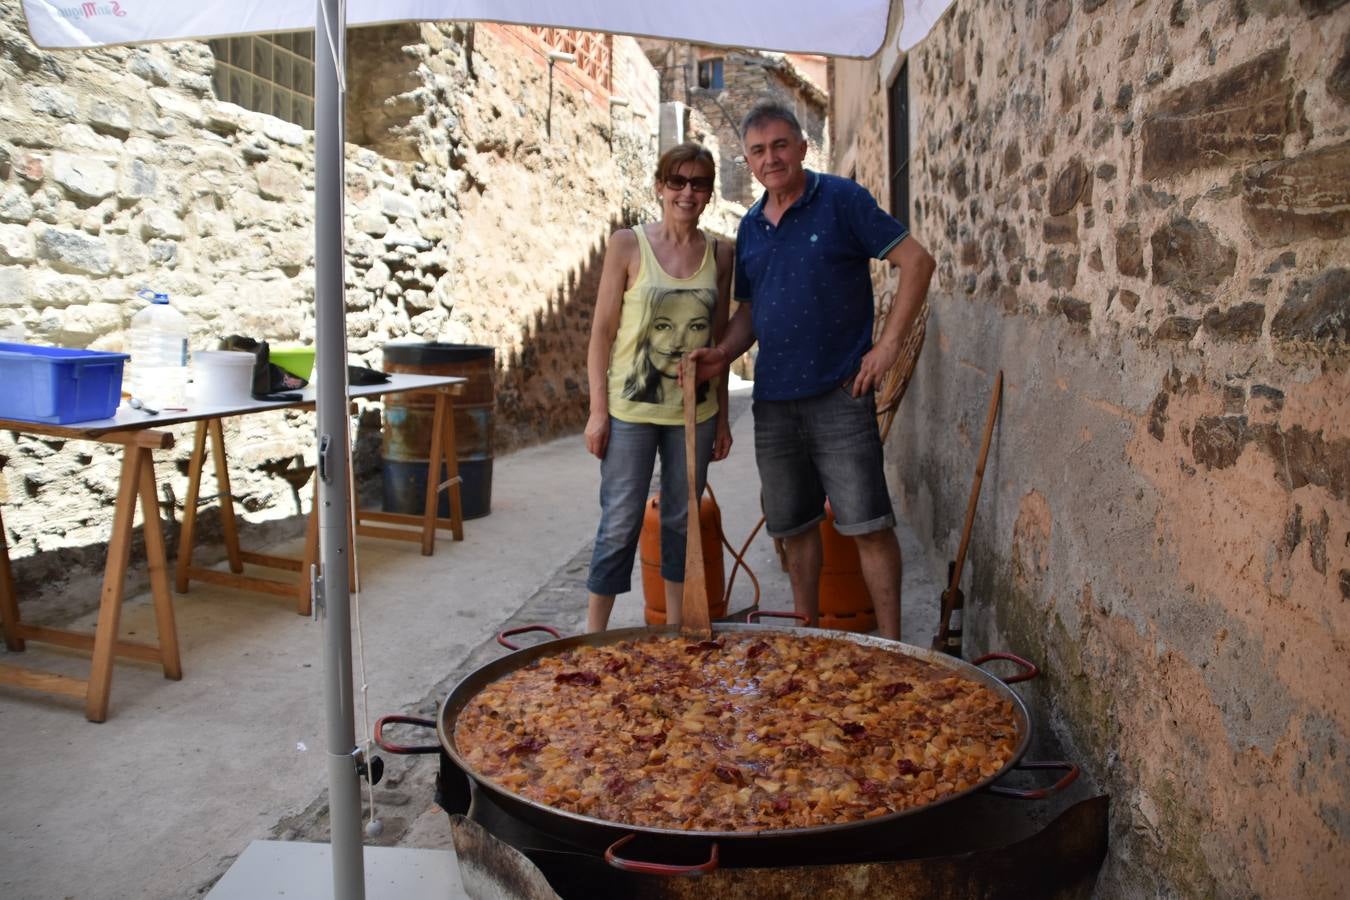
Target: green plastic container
299,361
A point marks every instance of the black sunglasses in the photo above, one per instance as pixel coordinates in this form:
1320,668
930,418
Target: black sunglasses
702,184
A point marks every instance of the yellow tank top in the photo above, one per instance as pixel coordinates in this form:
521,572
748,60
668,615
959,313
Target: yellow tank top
663,318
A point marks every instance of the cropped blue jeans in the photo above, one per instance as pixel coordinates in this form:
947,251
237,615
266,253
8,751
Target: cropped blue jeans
625,483
818,447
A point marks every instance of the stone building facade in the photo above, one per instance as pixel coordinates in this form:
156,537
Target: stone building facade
478,200
1141,215
721,85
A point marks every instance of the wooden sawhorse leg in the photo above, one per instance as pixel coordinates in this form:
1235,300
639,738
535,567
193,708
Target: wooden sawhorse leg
138,477
299,590
443,453
212,429
137,482
188,534
9,602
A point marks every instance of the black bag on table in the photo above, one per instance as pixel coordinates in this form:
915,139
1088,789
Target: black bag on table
359,376
270,381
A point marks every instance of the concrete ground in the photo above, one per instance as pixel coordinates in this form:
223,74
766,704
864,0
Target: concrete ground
160,800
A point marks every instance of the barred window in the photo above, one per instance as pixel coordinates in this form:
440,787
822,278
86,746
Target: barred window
271,74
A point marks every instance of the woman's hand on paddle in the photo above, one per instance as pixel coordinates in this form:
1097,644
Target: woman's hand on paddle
597,434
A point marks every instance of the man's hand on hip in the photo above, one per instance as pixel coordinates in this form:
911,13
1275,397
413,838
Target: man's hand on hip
875,364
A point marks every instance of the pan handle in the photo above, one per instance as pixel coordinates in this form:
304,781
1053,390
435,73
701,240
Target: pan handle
1030,670
502,638
1070,775
649,868
754,615
403,749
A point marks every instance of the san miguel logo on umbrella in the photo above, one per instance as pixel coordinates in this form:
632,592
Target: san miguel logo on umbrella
92,10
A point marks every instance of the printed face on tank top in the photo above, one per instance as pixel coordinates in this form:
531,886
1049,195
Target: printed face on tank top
679,320
663,318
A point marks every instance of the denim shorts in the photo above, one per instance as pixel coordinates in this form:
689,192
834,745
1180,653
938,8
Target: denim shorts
817,447
625,483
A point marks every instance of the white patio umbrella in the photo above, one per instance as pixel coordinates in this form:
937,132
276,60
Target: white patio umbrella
852,28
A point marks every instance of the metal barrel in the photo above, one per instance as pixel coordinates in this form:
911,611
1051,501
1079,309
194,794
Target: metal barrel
408,420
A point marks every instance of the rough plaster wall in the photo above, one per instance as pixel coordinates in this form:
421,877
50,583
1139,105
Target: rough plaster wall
118,169
633,71
1140,214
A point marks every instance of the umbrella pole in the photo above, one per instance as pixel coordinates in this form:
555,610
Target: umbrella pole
332,600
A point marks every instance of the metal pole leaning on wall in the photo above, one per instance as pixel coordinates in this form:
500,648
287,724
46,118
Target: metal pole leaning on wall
332,588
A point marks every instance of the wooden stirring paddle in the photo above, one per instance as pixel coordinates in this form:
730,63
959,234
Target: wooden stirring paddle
694,605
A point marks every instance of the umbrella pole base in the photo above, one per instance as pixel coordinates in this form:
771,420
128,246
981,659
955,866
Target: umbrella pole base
301,871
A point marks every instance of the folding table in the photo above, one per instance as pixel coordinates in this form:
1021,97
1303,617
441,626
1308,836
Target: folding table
138,433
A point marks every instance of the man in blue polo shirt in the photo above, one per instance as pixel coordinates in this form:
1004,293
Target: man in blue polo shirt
805,288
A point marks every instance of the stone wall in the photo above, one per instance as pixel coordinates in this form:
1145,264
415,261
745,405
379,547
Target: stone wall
749,77
1141,216
466,222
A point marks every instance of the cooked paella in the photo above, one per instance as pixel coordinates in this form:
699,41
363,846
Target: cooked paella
747,732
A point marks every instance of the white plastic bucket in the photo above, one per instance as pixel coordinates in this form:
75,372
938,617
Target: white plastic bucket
222,377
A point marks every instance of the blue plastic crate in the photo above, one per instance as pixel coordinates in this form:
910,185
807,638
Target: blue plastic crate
56,385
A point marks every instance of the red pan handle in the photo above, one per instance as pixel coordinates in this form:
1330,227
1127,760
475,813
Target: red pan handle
648,868
502,638
403,749
1029,668
754,615
1070,775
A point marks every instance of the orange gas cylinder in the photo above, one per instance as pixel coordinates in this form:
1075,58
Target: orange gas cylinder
649,547
845,604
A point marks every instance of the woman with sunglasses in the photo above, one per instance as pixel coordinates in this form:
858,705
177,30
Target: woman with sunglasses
664,291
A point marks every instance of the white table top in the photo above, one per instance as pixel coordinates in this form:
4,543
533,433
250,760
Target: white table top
128,419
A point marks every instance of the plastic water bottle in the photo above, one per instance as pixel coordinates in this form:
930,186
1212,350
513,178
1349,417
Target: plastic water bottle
159,353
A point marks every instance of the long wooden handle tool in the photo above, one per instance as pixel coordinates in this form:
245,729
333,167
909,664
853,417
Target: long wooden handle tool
951,598
695,597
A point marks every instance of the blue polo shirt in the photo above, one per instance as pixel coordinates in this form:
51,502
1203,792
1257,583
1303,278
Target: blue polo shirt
809,285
